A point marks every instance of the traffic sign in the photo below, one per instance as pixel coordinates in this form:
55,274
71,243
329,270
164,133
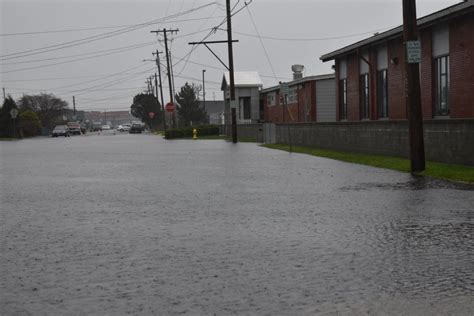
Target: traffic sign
14,113
413,52
169,107
284,88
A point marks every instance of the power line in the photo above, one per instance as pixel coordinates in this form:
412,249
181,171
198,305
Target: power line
308,39
83,54
95,37
261,42
73,60
95,28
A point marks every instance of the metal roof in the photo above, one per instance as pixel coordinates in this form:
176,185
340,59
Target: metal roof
301,80
243,79
426,21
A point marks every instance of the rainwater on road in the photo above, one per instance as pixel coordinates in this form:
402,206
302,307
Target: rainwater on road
133,224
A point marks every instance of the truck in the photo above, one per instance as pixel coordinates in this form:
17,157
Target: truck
74,128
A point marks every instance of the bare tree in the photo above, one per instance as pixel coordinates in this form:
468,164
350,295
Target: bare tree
48,107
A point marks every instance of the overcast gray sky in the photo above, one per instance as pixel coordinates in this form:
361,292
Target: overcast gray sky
106,70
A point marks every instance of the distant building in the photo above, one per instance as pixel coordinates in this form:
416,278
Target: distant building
215,111
370,74
113,118
247,90
309,99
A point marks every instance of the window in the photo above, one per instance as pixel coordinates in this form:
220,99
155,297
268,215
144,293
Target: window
382,93
441,65
245,108
342,68
271,98
440,51
364,96
343,99
292,96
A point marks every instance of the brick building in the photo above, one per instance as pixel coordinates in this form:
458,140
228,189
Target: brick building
370,74
310,99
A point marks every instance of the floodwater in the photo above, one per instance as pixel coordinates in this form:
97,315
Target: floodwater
134,224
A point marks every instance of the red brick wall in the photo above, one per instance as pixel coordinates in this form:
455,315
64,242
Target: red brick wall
461,59
396,81
307,101
353,88
336,64
274,113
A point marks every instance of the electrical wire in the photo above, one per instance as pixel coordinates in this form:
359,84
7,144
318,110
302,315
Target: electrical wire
261,42
95,28
309,39
73,60
95,37
83,54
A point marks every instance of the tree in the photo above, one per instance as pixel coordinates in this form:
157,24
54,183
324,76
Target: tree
6,123
142,105
48,107
29,123
189,111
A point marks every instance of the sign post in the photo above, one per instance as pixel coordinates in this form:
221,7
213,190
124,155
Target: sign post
413,52
14,114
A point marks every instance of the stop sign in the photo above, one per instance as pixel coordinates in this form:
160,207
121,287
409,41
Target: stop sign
169,107
151,115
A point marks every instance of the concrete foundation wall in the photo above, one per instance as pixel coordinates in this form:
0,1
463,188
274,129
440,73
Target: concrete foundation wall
449,141
246,132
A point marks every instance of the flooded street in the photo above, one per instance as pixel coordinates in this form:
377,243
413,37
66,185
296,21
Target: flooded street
134,224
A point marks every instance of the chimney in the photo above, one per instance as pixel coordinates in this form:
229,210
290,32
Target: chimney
297,71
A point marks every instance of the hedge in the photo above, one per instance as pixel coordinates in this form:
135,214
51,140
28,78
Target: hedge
188,131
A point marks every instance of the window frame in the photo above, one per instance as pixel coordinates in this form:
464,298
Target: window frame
382,93
364,90
438,62
343,99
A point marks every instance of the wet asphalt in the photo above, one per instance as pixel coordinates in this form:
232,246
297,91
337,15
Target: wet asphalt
133,224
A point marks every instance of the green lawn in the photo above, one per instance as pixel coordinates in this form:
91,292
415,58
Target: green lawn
433,169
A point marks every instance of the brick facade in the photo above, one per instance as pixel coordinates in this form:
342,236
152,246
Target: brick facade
303,109
461,71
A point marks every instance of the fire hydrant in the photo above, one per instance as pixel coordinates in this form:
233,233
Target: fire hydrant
195,133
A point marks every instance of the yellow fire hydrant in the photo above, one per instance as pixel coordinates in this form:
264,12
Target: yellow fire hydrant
195,133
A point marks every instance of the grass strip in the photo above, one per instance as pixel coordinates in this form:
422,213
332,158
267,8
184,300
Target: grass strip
438,170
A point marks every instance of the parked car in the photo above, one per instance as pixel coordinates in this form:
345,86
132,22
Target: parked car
136,128
60,130
105,127
124,127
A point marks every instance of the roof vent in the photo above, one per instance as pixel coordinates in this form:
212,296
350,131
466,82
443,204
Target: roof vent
297,71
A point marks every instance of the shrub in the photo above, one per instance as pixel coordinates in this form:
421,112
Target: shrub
29,123
188,132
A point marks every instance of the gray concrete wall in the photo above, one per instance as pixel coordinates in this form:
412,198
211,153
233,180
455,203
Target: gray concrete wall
248,132
450,141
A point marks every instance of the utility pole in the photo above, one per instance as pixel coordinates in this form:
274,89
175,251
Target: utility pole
4,97
165,32
105,116
203,90
74,107
231,73
161,88
412,86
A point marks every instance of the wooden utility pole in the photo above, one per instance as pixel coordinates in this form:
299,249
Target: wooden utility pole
231,73
412,86
165,32
74,107
161,88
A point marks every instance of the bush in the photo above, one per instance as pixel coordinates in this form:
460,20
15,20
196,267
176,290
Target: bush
188,132
29,123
